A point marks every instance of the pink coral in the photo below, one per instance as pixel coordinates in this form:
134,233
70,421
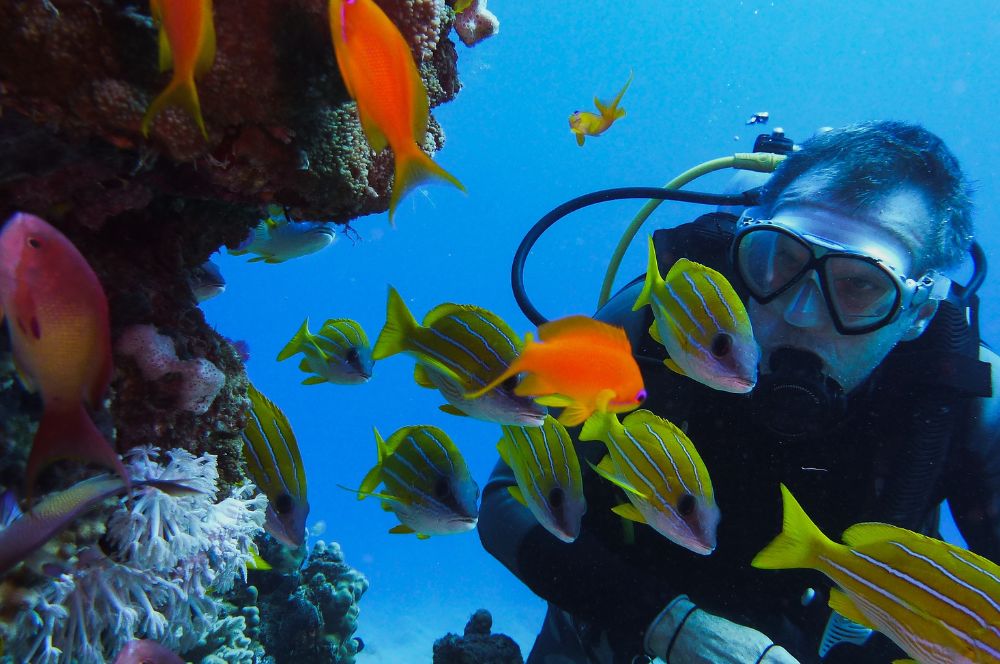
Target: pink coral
475,23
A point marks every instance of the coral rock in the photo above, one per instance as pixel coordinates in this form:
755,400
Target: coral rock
477,646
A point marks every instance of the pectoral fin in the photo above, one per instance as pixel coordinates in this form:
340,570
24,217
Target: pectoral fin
518,496
842,604
452,410
629,511
607,470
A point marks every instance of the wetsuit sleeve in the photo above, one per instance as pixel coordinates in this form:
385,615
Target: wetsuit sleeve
584,578
974,493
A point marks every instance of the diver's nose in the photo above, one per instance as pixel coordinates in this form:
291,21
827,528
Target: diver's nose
804,306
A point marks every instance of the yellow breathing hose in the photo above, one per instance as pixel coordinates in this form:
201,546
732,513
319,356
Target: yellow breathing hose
761,162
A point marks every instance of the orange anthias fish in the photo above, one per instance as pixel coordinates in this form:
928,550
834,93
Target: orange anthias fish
378,70
187,43
579,364
585,123
57,316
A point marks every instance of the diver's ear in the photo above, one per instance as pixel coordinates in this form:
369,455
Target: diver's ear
925,314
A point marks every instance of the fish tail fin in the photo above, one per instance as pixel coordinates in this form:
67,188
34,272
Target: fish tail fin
653,279
297,343
399,326
180,92
798,543
413,168
70,434
374,476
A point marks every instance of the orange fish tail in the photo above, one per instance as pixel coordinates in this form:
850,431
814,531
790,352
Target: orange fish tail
413,168
180,92
70,435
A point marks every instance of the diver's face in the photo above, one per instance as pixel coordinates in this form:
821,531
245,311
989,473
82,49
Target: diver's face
799,318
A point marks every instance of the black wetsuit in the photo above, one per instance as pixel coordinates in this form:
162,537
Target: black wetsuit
606,587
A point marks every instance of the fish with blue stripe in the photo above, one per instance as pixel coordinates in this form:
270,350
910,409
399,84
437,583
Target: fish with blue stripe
664,479
547,470
339,353
274,462
703,324
459,348
938,602
426,483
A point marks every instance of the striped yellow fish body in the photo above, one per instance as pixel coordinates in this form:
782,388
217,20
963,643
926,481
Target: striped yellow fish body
702,323
339,353
426,482
548,476
936,601
663,476
274,462
459,349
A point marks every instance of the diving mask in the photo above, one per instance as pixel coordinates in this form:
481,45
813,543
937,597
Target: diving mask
862,292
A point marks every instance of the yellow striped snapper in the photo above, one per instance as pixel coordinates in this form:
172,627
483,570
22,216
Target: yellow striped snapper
459,349
339,353
548,476
274,462
938,602
279,238
663,476
702,323
426,483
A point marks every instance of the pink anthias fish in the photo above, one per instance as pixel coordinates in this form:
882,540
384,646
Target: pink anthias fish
57,315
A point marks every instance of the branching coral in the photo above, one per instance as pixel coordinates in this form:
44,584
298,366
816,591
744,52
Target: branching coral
168,557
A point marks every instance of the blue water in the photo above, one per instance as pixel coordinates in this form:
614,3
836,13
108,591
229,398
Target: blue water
701,69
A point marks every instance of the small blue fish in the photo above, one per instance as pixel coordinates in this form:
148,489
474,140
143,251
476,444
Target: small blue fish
548,476
426,483
279,238
460,348
339,353
275,464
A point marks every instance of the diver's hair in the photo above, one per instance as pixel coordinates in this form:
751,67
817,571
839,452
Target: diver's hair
859,165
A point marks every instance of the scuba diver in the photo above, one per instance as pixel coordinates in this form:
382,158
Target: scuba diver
873,403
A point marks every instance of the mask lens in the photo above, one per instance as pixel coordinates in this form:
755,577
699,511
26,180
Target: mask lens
769,260
861,293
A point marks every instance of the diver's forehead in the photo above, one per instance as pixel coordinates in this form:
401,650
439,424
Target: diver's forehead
893,230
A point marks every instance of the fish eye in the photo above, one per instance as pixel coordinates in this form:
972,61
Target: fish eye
283,504
721,345
352,355
442,489
556,498
640,396
686,504
510,383
34,243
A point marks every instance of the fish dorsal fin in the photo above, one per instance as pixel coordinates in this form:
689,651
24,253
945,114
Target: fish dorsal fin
629,511
861,534
445,310
682,265
842,604
643,417
584,327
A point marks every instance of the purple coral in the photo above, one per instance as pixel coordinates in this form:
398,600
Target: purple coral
170,556
475,23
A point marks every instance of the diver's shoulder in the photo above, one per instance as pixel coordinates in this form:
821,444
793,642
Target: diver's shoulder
986,410
618,311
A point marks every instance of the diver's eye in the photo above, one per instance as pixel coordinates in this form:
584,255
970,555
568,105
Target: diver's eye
442,489
283,504
556,498
721,345
34,242
686,504
510,383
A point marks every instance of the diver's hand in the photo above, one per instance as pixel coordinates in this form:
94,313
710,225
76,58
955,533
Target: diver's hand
684,634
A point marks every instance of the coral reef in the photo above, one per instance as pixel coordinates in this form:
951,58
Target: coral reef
476,23
477,645
311,615
156,573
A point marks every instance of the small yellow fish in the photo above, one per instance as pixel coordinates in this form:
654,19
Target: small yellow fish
585,123
938,602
